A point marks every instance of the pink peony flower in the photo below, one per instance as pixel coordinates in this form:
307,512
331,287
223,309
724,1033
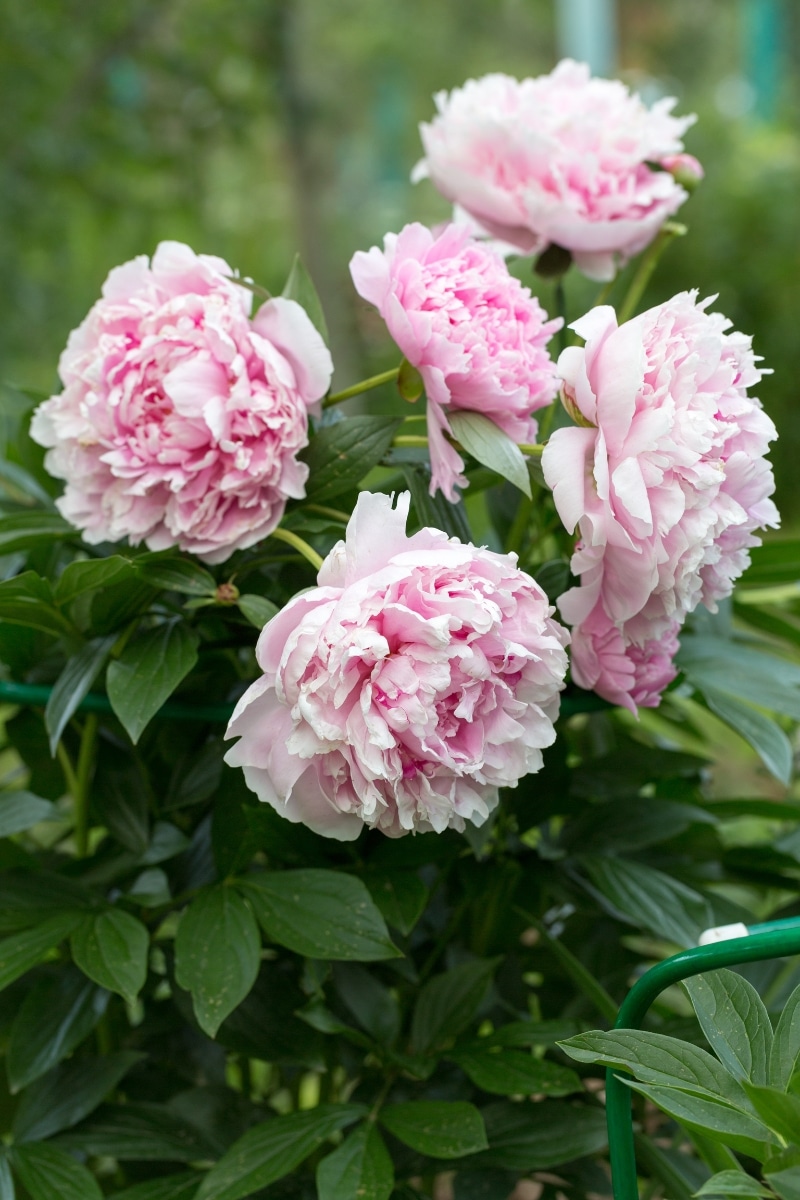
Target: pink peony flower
666,480
475,334
562,159
420,676
181,419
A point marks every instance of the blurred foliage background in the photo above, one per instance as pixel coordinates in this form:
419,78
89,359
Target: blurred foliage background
252,129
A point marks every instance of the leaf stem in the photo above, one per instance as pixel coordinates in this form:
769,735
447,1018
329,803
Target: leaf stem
533,450
647,264
365,385
586,982
292,539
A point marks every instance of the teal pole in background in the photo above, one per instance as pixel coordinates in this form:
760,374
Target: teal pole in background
763,33
586,30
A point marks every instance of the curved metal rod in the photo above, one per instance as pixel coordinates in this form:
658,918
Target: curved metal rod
772,939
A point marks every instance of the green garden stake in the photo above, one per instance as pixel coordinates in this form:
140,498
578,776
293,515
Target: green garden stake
727,946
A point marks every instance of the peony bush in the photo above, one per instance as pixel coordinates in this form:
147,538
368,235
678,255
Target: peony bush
331,801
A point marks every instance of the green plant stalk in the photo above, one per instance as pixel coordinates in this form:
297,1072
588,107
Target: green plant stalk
292,539
411,439
83,777
532,449
649,261
365,385
583,979
335,514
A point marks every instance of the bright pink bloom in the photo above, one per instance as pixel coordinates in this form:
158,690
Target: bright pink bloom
420,676
181,419
667,481
562,159
475,334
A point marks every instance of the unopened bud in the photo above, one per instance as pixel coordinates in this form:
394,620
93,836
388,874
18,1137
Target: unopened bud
226,593
684,169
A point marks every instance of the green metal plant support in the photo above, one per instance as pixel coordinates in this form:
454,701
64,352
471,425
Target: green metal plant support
772,939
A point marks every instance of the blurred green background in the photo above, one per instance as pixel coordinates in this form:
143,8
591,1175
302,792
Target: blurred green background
251,129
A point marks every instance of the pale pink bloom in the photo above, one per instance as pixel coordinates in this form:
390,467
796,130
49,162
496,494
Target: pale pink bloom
420,676
632,676
475,334
667,481
181,419
563,159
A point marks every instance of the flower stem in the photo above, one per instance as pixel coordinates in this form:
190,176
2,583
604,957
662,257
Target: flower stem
586,982
292,539
648,263
605,291
82,779
364,386
411,439
532,450
335,514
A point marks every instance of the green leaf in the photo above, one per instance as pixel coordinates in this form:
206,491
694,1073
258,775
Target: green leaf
175,575
624,824
533,1137
22,810
735,1021
258,609
782,1172
733,1183
764,735
51,1174
648,898
111,947
80,577
734,1128
139,1133
300,288
147,673
320,914
272,1149
27,529
55,1016
361,1167
656,1058
447,1003
786,1044
217,954
22,481
400,895
27,600
29,897
69,1093
169,1187
73,683
372,1004
120,797
526,1033
340,455
780,1111
491,446
437,1128
435,512
7,1191
773,563
510,1072
24,950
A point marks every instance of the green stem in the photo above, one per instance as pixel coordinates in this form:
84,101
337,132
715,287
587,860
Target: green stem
586,982
381,1097
411,439
532,450
668,231
365,385
605,291
292,539
82,780
519,525
561,311
65,761
335,514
